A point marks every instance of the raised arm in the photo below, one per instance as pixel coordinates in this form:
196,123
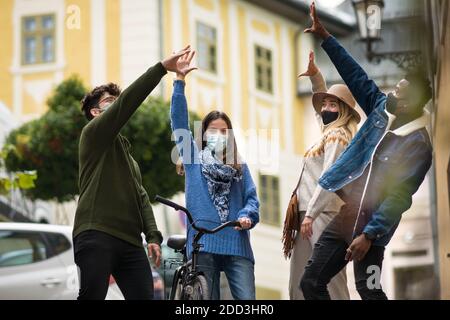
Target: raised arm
103,129
318,83
179,115
365,91
317,80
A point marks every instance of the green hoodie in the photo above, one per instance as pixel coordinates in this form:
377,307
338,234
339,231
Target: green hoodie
112,198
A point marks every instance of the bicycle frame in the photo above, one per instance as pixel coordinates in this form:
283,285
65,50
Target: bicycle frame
186,272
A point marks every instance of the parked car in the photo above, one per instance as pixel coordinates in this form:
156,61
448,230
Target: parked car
36,262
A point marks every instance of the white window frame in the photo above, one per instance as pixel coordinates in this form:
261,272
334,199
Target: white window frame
24,8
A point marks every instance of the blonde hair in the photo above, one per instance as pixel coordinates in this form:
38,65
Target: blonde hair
346,125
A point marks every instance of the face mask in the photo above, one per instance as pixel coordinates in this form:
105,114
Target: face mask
216,142
329,117
393,103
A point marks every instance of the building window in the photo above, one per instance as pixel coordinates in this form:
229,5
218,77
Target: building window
207,47
38,39
270,199
263,67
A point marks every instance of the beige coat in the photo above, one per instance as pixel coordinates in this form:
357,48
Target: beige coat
318,203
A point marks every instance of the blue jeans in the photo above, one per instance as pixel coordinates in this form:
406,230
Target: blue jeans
240,273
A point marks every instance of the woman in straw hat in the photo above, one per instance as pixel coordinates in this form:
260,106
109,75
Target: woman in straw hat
338,120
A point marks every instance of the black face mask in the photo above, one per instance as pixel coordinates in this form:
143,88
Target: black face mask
391,103
404,116
329,116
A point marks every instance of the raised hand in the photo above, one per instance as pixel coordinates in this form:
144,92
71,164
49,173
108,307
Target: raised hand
170,63
184,65
317,28
312,68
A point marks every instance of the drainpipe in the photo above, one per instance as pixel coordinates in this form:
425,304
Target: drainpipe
432,173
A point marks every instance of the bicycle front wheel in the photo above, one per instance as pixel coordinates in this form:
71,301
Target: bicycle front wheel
197,289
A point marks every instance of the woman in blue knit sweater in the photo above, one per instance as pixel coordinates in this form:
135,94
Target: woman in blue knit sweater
219,188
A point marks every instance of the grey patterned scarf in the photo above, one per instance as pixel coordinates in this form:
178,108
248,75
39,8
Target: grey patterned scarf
219,177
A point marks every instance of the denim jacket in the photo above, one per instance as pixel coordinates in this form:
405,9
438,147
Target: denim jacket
410,150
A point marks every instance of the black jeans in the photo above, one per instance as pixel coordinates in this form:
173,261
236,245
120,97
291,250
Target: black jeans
99,255
328,258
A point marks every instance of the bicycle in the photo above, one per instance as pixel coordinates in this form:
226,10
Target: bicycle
189,283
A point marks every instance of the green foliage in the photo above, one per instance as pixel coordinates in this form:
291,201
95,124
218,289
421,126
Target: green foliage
23,180
49,144
150,135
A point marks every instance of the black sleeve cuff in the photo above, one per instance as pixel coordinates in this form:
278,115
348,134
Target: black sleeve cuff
154,237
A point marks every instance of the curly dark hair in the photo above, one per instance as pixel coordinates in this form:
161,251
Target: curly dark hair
91,99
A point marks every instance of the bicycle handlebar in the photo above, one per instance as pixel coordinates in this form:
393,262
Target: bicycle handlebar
169,203
222,226
175,206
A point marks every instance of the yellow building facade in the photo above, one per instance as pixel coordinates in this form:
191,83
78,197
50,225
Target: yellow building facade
44,42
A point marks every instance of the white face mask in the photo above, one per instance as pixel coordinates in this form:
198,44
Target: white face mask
216,142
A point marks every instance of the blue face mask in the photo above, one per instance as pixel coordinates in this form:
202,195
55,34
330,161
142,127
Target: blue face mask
216,142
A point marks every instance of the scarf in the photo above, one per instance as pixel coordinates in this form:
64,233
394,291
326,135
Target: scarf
219,177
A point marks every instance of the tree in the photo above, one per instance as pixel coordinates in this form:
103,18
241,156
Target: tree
50,146
150,135
19,180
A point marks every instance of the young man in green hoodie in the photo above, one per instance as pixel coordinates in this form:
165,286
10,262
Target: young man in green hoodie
114,208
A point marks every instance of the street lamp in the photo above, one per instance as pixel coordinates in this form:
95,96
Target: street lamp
368,15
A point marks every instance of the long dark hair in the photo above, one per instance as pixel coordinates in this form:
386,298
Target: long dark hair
232,157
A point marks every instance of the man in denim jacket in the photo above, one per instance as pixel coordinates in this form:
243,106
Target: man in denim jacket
376,175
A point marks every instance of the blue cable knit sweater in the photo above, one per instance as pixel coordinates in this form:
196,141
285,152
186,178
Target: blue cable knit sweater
243,198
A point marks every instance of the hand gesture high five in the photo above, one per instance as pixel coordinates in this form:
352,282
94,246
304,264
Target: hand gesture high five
317,28
171,63
184,65
312,68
